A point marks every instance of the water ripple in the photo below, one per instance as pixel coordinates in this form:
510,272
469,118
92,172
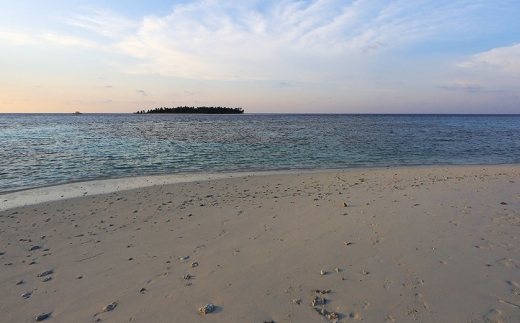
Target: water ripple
48,149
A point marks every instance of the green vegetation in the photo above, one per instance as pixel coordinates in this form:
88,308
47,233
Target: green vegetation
192,110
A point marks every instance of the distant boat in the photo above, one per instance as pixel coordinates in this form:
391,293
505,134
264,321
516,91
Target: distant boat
77,112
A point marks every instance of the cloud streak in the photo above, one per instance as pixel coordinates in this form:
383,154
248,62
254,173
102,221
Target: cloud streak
470,88
236,40
24,38
103,22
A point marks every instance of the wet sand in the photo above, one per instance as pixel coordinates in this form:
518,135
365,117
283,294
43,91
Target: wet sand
430,244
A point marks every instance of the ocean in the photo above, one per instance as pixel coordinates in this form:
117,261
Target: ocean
39,150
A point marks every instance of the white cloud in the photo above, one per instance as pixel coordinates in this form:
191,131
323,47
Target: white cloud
68,40
499,60
287,39
18,38
492,72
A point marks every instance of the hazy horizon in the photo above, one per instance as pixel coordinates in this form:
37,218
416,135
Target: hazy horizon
329,56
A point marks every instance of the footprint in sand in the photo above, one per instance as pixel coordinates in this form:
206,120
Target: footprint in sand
445,261
420,299
354,315
506,262
151,281
516,287
387,283
493,316
374,241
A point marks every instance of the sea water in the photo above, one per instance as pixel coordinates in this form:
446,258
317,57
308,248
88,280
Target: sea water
38,150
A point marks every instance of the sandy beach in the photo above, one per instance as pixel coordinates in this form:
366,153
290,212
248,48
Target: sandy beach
426,244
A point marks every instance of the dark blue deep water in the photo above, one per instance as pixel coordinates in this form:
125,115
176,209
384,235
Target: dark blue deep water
47,149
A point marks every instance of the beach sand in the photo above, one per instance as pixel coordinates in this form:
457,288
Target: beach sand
427,244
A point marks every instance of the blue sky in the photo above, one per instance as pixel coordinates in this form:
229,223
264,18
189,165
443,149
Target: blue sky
329,56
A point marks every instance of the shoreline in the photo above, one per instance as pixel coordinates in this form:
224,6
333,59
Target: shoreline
59,192
376,245
33,196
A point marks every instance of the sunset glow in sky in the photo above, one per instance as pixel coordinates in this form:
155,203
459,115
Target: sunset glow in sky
328,56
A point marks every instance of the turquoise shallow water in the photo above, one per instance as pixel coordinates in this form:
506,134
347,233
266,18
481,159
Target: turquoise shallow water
47,149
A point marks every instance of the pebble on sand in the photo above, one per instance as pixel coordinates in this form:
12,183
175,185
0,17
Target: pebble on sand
321,291
42,317
26,295
46,273
206,309
332,316
110,307
327,314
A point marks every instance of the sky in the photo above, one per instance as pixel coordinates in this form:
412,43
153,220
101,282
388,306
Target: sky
283,56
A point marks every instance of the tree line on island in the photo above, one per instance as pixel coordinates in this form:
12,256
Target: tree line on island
188,110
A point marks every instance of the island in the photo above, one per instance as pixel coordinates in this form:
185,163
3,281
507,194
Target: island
193,110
